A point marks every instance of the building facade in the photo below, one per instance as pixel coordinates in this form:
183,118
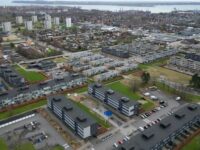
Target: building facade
19,19
47,24
29,25
6,26
56,21
68,22
121,103
72,116
34,19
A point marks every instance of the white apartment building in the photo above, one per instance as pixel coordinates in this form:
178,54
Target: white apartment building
47,24
68,22
29,25
56,21
34,19
19,19
6,26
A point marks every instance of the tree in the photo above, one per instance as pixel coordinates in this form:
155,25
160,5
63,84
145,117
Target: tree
134,86
195,81
12,45
145,77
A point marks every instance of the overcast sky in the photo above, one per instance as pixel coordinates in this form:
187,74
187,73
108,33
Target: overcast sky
136,0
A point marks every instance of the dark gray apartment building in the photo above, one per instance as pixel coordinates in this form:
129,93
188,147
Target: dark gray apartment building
117,101
163,134
82,124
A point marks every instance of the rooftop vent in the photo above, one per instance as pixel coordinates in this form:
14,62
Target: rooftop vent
165,124
98,85
192,107
148,135
179,115
125,99
110,91
68,107
56,99
81,118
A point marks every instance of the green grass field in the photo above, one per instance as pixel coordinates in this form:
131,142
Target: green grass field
156,71
22,109
57,147
126,91
194,144
3,145
30,76
25,146
94,115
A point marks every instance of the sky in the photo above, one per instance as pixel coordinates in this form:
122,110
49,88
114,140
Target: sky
135,0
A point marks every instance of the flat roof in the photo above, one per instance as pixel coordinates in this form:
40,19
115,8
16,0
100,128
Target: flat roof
116,95
15,91
151,136
72,110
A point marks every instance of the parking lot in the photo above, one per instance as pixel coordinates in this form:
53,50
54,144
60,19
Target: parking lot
35,130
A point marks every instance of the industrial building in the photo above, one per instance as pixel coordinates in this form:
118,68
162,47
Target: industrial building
6,26
163,135
72,116
121,103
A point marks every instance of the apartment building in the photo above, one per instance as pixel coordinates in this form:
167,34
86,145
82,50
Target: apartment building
11,76
6,26
29,25
82,124
19,19
121,103
188,63
164,134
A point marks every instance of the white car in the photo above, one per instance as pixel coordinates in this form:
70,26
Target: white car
153,97
178,98
128,138
141,129
146,94
115,145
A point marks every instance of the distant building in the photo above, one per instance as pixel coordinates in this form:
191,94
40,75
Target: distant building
6,26
29,25
72,116
68,22
116,52
34,19
19,19
47,24
121,103
164,135
47,18
56,21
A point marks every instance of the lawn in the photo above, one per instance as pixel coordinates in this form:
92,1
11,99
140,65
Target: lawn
30,76
25,146
171,75
57,147
3,144
194,144
94,115
124,90
81,90
22,109
149,105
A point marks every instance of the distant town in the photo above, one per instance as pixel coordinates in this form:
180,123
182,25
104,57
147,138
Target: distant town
77,79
